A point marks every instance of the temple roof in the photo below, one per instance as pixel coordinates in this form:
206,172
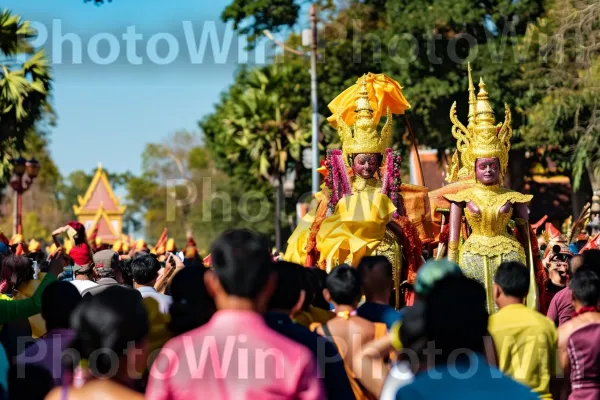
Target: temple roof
99,196
106,231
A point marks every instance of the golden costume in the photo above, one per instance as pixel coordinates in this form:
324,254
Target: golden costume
353,214
490,241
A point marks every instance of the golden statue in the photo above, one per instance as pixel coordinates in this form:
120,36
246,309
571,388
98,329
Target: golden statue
491,210
364,208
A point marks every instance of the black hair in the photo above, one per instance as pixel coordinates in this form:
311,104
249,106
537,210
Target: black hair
144,269
126,272
371,283
310,284
242,261
591,258
29,381
513,279
59,300
344,285
105,325
320,278
192,305
289,285
195,262
585,286
15,271
451,330
412,328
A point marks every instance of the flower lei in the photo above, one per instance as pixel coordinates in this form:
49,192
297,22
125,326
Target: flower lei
392,178
337,179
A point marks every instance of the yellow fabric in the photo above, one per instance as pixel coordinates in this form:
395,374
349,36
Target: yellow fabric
313,315
296,248
355,229
26,291
159,332
383,92
526,344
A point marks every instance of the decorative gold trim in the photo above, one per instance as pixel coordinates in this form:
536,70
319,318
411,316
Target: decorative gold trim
99,176
101,213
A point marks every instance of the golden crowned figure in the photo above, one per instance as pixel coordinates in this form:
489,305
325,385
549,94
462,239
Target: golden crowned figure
488,223
364,208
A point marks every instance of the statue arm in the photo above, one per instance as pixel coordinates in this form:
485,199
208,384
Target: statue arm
456,211
522,218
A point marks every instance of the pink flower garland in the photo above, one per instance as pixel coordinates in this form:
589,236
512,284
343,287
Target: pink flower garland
392,178
337,181
388,174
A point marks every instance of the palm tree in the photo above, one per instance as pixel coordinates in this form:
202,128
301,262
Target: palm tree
263,121
24,86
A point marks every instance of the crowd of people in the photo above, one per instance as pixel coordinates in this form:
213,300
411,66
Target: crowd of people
252,327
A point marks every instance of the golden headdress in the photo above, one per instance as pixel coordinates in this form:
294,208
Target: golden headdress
481,138
363,136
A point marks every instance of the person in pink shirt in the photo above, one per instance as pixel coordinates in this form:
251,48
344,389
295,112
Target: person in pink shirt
561,306
236,355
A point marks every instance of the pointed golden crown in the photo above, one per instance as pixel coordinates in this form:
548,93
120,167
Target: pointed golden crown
363,137
481,138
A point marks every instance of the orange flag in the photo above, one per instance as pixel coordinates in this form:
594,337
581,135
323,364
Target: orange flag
594,243
20,251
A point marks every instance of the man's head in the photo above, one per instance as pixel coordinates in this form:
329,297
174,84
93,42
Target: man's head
343,286
591,258
107,265
59,300
574,264
145,270
376,278
432,272
242,269
585,286
452,330
289,294
511,283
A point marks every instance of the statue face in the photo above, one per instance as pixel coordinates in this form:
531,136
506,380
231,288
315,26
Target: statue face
366,164
487,170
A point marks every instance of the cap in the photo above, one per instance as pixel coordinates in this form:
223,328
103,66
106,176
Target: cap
104,259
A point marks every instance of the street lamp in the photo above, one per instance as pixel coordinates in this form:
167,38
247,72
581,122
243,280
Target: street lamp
309,38
24,173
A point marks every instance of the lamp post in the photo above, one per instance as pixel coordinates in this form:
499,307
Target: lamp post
314,98
24,173
309,38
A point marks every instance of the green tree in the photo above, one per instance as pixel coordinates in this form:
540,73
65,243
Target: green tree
563,73
24,86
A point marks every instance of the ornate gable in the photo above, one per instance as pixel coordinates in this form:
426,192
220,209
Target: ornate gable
99,206
107,231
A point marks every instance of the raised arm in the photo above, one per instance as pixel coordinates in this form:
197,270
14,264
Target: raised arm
58,232
522,220
456,210
12,310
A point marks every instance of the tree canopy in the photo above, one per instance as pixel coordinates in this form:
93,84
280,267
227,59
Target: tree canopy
25,83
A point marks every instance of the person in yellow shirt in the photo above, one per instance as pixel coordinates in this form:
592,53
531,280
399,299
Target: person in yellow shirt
525,340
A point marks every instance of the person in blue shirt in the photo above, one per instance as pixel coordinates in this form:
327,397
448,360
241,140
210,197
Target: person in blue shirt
377,281
453,365
287,300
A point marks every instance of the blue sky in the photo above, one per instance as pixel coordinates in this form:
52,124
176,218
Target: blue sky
107,113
